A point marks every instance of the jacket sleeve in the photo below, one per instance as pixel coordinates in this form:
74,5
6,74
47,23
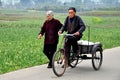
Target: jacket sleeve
82,25
64,27
43,29
59,24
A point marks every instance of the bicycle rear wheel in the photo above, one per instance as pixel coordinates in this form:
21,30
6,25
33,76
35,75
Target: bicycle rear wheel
58,63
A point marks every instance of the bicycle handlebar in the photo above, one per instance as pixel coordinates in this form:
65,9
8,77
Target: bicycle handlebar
68,35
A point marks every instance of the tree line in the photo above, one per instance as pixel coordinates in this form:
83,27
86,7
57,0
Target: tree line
81,5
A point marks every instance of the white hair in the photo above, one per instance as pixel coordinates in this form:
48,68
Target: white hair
50,13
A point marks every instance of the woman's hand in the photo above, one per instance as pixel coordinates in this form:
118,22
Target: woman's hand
40,36
59,32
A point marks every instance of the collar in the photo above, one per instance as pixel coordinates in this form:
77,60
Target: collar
50,20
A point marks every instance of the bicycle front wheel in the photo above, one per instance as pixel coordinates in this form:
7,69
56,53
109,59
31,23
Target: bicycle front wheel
58,63
73,60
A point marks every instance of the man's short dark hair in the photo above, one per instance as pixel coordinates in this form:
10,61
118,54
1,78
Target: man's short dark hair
72,8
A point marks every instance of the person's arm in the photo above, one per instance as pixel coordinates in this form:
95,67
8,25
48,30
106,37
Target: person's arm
41,33
59,24
64,27
82,26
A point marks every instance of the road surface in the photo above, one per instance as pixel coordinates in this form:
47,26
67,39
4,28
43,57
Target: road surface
110,70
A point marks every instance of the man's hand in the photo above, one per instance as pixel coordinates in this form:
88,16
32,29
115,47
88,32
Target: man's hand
59,32
40,36
77,34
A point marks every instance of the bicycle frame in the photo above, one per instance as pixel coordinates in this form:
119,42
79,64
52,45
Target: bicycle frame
65,39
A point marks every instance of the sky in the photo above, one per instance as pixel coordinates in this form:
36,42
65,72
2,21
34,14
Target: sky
10,1
73,0
65,0
15,1
58,0
19,0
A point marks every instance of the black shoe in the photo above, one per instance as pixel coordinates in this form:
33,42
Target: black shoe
49,65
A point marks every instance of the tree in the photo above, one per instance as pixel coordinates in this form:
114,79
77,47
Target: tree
0,3
42,1
87,2
109,1
25,2
78,1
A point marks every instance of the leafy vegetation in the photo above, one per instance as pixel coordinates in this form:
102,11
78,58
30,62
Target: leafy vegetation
20,48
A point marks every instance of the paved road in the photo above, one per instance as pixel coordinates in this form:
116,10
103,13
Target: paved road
110,70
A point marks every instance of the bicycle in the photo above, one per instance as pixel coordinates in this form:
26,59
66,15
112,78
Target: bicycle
60,61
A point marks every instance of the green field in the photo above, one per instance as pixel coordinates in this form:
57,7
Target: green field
20,48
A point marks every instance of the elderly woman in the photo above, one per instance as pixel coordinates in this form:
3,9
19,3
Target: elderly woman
50,28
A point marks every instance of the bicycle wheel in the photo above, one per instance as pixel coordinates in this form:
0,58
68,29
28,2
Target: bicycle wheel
58,63
97,58
73,60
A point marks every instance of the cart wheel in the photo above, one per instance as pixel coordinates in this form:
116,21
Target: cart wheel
59,62
97,57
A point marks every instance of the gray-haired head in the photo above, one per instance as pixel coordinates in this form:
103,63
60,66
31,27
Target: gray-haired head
49,13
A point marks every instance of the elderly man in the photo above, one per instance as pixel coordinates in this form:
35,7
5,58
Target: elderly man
50,27
73,25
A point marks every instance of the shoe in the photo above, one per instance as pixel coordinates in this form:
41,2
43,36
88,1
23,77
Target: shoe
49,65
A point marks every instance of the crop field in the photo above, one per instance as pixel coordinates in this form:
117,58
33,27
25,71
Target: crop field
20,48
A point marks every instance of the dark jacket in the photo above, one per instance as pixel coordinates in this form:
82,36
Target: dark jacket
51,28
78,26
